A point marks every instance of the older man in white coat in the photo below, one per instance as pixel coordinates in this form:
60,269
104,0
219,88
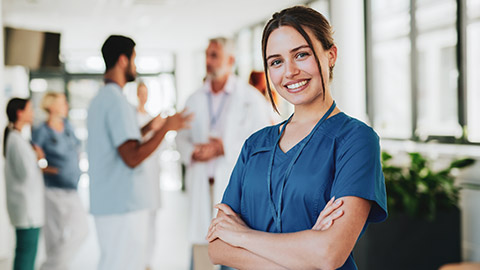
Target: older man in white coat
227,111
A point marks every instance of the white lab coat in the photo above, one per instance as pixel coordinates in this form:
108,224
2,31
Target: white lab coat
246,112
24,183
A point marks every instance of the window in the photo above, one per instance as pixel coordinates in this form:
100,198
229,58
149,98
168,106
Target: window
418,88
473,70
390,71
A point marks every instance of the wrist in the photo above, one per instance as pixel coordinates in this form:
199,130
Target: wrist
246,237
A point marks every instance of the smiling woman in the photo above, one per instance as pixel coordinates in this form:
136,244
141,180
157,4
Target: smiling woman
271,215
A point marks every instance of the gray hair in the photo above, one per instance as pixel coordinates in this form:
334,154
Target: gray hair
227,44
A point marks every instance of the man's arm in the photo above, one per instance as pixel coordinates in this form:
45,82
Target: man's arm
134,152
154,125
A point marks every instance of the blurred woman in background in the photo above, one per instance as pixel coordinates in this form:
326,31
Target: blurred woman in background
152,168
24,183
66,224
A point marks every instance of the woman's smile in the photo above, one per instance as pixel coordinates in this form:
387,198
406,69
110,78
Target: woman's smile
297,86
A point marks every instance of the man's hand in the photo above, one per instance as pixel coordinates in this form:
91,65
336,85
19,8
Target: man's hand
178,121
208,151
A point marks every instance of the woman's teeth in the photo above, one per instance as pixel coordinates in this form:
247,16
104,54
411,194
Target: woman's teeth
297,85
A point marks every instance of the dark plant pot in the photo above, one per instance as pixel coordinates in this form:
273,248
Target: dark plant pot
402,242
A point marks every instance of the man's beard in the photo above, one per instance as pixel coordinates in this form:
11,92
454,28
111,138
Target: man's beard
217,73
129,75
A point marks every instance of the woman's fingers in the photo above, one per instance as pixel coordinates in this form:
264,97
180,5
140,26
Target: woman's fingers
330,220
329,212
226,209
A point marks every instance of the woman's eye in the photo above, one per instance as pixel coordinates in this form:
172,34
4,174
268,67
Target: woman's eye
275,63
301,55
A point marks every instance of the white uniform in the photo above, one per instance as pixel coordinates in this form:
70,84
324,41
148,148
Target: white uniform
24,183
244,112
152,170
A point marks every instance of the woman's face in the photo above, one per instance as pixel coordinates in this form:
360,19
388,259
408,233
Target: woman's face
59,107
292,66
26,115
142,94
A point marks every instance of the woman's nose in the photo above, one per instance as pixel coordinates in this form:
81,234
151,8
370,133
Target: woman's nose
291,69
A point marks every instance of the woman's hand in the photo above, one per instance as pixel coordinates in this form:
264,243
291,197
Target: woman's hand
38,151
328,215
227,226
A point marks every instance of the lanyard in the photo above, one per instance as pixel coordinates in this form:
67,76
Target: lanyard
215,116
276,213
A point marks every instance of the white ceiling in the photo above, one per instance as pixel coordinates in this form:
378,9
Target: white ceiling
154,24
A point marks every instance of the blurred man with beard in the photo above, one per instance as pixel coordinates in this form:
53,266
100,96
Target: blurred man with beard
119,192
227,110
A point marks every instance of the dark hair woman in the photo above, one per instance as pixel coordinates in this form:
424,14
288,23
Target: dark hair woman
287,173
24,184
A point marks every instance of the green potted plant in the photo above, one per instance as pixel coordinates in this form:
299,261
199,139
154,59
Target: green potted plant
423,228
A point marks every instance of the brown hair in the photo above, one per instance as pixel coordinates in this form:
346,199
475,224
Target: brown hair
299,17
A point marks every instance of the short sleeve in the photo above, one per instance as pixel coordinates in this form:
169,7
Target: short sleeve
233,193
358,172
122,123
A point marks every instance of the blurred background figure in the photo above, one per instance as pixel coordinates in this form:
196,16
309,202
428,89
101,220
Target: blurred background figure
66,224
24,183
119,189
257,79
152,171
227,110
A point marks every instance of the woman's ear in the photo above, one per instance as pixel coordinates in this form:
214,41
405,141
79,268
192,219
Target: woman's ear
332,55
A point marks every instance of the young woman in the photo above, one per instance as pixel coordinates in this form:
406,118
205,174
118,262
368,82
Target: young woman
152,170
66,224
24,184
286,173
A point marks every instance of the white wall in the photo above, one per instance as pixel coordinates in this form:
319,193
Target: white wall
190,70
348,86
5,230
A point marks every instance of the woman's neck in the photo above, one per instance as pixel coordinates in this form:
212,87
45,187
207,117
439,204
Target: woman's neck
55,122
18,125
312,112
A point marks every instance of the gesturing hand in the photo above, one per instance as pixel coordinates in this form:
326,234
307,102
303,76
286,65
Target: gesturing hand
227,226
328,215
179,120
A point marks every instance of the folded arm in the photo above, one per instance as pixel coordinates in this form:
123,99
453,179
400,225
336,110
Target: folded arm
239,258
309,249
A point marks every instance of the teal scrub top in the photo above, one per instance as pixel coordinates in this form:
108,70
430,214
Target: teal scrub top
61,151
342,158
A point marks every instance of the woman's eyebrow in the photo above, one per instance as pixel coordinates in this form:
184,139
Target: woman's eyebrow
291,51
298,48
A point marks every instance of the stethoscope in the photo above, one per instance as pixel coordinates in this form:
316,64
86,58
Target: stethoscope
276,213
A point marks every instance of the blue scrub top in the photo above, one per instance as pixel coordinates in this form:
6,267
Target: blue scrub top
341,159
61,152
